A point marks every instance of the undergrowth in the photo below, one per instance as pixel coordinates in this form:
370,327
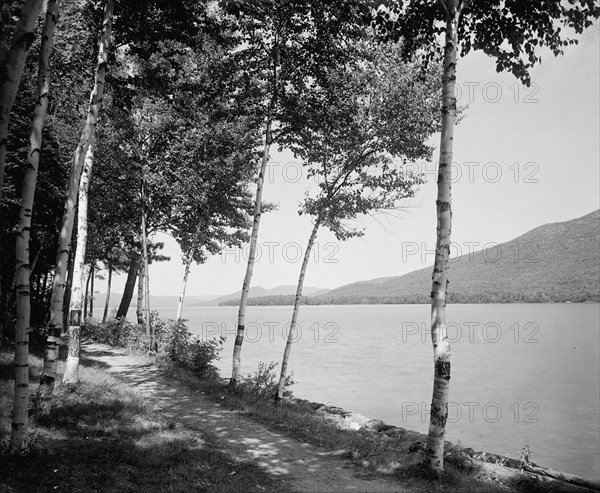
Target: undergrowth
191,360
100,436
174,344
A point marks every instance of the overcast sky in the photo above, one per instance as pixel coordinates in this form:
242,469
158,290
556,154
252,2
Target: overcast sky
523,157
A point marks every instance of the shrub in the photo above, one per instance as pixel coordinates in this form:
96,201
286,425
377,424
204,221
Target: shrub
201,355
264,384
116,332
174,343
177,345
525,457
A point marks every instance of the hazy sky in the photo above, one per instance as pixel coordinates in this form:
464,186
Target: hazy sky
523,157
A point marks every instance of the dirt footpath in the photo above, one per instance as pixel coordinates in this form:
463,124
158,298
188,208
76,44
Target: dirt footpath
307,467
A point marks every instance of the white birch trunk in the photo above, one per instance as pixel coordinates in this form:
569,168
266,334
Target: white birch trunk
186,273
48,377
108,286
146,284
13,70
292,332
18,439
241,321
441,345
139,309
71,375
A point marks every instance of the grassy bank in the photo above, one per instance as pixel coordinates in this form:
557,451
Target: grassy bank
191,361
398,456
100,436
395,452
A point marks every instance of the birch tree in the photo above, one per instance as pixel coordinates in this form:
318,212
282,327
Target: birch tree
18,440
108,289
214,204
114,204
71,375
208,239
371,119
125,186
513,33
143,27
150,123
265,29
13,70
203,144
145,279
48,377
283,46
75,43
139,309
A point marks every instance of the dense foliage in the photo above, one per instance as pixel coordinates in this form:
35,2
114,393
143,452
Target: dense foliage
175,344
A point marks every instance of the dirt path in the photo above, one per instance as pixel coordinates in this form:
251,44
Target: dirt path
307,467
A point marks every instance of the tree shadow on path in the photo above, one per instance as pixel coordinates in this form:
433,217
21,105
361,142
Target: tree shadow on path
308,467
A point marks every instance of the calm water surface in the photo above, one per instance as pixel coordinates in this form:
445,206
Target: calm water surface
519,371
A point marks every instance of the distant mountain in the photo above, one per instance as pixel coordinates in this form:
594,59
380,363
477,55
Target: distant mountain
258,291
554,262
155,301
207,300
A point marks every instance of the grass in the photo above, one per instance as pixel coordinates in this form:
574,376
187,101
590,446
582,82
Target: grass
401,456
100,436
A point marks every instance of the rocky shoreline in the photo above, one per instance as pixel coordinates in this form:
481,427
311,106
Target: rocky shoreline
347,420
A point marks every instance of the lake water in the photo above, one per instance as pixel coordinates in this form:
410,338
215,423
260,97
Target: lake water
519,371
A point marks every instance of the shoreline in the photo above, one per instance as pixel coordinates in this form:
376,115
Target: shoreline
348,420
381,432
483,467
501,438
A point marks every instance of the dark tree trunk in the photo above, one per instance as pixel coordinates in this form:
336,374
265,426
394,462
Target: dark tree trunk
69,285
44,290
129,287
92,276
87,293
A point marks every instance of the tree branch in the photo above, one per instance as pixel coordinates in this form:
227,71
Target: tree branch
445,8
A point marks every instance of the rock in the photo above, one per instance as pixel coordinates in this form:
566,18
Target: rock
333,418
479,456
359,419
374,424
395,431
334,410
